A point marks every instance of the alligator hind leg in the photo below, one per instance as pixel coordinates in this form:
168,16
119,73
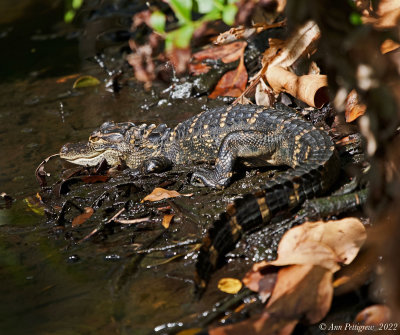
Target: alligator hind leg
239,144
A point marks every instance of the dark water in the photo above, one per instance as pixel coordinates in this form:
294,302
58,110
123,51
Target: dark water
42,289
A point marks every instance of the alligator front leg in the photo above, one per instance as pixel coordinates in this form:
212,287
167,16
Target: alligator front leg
155,164
239,144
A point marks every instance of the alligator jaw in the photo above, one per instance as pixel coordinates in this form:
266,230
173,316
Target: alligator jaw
82,154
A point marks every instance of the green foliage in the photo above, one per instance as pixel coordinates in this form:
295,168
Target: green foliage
157,21
72,7
211,10
355,19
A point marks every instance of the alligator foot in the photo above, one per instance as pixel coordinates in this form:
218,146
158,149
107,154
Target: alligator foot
209,178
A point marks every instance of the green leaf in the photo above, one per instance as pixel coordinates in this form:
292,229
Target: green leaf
85,81
231,2
76,4
169,45
182,9
205,6
69,16
355,19
179,38
229,13
157,21
215,14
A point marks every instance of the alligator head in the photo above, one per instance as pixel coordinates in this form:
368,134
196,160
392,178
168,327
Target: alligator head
117,143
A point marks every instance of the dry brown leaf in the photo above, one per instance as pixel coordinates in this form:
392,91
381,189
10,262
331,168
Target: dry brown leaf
312,89
354,108
302,291
180,58
322,243
264,94
198,68
319,243
161,193
374,315
227,53
285,53
314,68
81,218
230,285
142,62
387,15
232,83
167,220
239,32
262,281
388,46
350,278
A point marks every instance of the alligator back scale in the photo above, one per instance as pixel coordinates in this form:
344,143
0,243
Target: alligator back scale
223,136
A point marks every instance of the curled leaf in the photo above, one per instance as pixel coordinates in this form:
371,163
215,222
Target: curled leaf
167,220
86,81
312,89
354,108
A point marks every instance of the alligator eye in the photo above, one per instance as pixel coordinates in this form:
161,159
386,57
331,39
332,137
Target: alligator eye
93,138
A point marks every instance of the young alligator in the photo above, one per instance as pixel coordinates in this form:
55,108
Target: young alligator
223,136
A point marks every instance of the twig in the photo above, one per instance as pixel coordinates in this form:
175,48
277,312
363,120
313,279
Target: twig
168,247
101,226
131,221
40,173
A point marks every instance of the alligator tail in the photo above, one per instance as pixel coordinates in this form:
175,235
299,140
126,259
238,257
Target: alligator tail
254,210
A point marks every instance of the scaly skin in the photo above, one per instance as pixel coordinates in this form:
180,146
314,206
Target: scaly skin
221,136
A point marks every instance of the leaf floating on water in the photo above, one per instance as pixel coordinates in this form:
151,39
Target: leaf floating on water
35,204
86,81
230,285
167,220
81,218
161,193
